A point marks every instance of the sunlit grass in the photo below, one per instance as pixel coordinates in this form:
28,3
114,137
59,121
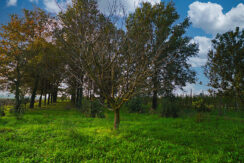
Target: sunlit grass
62,134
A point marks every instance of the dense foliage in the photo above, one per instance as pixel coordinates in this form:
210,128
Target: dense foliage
225,66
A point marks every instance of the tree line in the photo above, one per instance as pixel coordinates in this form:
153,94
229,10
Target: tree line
95,58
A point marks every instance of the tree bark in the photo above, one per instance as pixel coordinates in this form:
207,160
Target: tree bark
80,97
51,98
155,100
40,99
155,91
17,99
45,99
48,101
81,94
116,119
77,97
73,95
241,98
55,94
33,96
17,91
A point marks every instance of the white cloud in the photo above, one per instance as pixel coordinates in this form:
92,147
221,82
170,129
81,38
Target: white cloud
210,17
197,62
11,2
51,6
54,6
36,1
195,89
188,89
105,6
204,46
126,5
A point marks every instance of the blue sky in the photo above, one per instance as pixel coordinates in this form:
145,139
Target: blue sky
208,18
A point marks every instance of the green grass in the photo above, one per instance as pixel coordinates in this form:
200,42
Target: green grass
62,134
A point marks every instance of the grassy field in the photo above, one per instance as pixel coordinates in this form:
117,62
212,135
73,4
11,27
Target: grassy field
62,134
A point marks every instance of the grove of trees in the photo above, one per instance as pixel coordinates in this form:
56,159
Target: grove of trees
89,53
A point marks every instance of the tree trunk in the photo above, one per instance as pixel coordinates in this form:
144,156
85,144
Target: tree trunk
48,101
45,99
155,100
17,99
17,91
51,98
77,97
40,99
73,96
241,98
155,90
33,96
81,96
116,119
55,95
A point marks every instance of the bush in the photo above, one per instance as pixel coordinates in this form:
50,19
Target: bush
97,110
92,108
137,105
170,108
2,113
201,106
64,97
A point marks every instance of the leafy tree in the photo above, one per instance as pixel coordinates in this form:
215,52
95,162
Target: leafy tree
29,58
13,55
102,51
37,45
225,65
152,29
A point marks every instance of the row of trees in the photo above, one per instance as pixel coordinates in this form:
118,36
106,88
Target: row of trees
30,63
96,58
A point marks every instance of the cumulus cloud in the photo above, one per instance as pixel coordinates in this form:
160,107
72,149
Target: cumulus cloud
105,6
51,6
210,17
11,2
126,6
204,46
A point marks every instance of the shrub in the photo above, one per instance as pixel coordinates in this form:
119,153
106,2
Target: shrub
2,113
97,110
137,105
201,106
170,108
64,97
92,108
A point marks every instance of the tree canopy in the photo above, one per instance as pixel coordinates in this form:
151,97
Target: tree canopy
87,51
225,65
